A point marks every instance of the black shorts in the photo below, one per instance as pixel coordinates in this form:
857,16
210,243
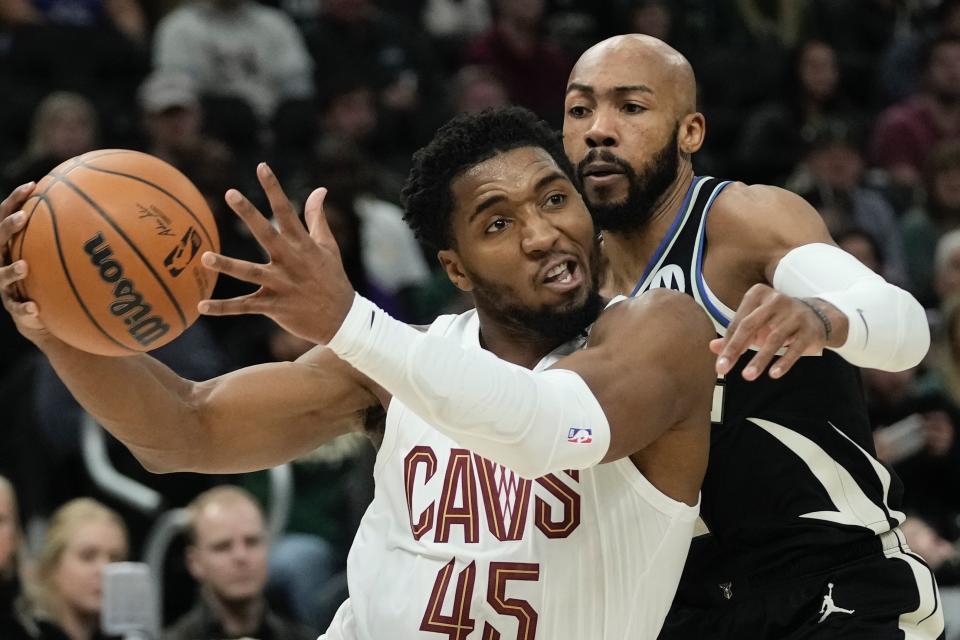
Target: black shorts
887,596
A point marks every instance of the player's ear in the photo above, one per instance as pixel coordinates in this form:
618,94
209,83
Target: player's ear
693,128
453,265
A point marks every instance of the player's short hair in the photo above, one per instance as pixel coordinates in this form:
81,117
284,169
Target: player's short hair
462,143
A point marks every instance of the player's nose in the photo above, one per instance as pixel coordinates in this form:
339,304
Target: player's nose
539,235
602,131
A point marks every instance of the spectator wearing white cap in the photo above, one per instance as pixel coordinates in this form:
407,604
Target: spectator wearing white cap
172,119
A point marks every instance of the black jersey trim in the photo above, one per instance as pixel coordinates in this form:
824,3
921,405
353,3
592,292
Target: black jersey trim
683,213
711,308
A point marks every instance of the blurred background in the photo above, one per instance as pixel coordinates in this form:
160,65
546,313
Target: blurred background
853,104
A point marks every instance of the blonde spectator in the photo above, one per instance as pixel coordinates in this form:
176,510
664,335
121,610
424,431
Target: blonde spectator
64,125
66,589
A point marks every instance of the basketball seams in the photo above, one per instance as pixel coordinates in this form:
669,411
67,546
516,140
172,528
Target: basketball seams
130,243
161,190
73,288
80,161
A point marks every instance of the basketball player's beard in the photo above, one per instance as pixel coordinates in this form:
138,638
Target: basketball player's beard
552,324
643,193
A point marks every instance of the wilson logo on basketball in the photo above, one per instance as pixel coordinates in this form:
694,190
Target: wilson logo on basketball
128,302
178,259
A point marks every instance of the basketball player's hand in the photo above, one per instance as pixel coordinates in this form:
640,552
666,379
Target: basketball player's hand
770,321
303,288
12,219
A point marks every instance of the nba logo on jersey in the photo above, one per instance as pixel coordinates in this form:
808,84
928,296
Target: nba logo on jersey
577,435
669,276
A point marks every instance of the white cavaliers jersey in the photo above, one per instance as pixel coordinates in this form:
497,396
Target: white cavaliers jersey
456,547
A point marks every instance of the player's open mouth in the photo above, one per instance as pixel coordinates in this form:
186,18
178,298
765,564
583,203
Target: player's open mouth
563,276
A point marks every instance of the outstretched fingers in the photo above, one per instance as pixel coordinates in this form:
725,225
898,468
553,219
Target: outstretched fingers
251,303
283,211
252,272
316,218
259,226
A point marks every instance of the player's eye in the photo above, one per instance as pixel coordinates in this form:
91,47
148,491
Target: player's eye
632,107
556,199
577,111
497,225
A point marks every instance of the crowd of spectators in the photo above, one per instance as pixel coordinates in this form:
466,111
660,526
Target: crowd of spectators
853,104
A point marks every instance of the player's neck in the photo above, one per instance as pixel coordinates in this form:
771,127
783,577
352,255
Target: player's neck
627,253
513,343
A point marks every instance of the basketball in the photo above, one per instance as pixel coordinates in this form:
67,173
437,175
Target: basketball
113,245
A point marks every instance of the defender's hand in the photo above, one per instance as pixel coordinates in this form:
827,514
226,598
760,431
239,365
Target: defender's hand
24,312
303,288
771,321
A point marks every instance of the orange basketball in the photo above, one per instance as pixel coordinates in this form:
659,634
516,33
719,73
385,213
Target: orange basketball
113,247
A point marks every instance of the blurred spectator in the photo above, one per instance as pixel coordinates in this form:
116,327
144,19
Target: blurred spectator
933,476
775,135
475,88
236,48
933,548
906,132
516,48
67,590
173,120
899,69
356,42
860,31
340,210
126,16
890,398
946,265
14,622
451,22
227,555
64,125
653,18
778,23
830,178
942,377
923,225
863,246
349,111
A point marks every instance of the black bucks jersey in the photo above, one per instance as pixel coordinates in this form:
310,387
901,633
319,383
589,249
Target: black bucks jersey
792,485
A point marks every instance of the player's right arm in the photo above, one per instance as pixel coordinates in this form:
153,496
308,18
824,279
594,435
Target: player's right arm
248,419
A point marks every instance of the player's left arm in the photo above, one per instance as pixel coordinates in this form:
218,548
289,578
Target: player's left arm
813,295
649,366
641,374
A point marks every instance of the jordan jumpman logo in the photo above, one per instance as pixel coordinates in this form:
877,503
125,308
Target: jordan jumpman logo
828,607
